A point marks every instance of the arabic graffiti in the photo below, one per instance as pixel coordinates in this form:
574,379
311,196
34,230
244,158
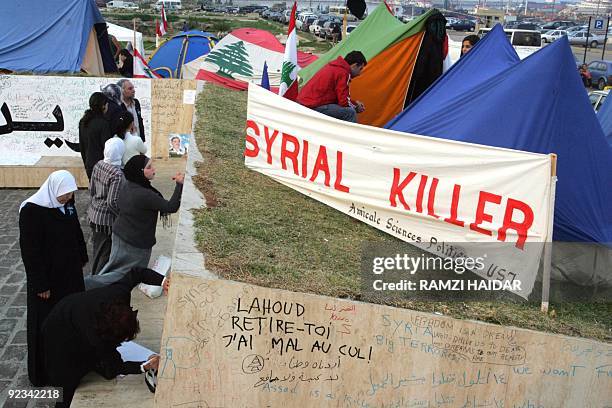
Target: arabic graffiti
39,116
13,126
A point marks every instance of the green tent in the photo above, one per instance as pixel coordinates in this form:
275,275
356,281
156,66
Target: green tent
403,60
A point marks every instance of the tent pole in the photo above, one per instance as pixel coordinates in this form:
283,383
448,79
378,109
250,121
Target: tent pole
344,20
603,51
547,261
586,42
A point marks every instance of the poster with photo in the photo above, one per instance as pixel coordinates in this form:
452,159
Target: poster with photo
178,145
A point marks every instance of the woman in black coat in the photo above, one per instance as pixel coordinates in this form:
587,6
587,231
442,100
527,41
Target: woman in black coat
83,331
94,131
53,252
140,204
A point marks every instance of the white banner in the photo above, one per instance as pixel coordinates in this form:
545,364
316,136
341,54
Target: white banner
44,114
429,192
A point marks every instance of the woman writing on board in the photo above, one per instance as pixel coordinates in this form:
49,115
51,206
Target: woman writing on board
140,205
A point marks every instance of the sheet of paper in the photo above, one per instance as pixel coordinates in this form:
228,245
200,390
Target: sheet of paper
131,351
189,96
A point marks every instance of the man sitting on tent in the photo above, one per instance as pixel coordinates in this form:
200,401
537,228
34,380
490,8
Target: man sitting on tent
328,90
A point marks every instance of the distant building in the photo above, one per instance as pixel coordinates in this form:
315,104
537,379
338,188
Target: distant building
592,8
489,17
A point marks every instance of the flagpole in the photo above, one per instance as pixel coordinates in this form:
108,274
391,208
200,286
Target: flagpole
134,43
156,35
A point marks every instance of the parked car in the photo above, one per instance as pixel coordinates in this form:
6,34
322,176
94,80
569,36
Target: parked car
315,26
286,17
553,35
575,28
526,26
127,5
580,38
325,29
350,28
555,25
303,24
329,29
450,20
251,9
597,98
276,16
600,70
462,25
299,21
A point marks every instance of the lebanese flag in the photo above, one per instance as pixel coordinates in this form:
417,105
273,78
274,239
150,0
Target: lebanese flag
141,68
446,64
162,28
289,86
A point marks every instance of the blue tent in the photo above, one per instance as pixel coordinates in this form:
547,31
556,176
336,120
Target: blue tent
184,47
538,105
605,119
53,36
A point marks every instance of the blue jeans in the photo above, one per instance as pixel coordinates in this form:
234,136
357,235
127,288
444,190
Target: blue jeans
339,112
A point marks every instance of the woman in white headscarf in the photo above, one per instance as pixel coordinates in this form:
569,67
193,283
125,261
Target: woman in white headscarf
106,180
53,252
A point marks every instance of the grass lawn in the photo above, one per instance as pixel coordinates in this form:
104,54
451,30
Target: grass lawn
258,231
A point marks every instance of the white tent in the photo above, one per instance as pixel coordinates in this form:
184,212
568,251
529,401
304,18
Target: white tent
190,70
125,34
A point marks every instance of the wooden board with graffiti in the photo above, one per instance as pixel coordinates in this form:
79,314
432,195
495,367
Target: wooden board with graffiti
227,344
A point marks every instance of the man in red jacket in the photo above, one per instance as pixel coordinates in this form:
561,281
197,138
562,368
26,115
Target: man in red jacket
328,90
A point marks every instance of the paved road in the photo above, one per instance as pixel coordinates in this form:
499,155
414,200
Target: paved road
13,348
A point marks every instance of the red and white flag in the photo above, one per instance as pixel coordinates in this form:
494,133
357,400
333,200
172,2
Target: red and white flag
141,68
162,26
289,85
446,64
389,7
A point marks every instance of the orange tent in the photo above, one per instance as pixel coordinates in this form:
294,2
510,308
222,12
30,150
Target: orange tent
403,60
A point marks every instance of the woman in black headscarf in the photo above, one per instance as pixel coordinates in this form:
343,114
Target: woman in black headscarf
126,64
113,95
94,131
140,204
53,252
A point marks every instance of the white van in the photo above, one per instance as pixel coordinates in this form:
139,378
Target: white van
525,42
122,4
168,4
